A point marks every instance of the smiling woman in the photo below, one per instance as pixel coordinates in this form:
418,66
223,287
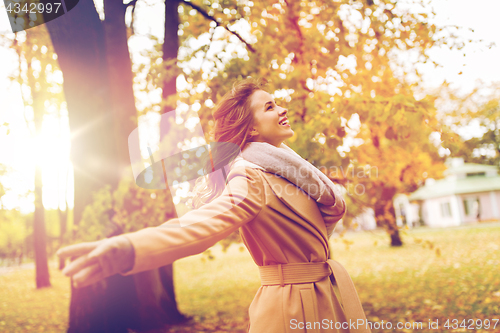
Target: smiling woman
284,208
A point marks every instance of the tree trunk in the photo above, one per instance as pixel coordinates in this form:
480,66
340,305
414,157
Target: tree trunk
155,295
97,71
40,237
170,50
78,40
385,215
105,307
39,233
63,217
120,76
63,214
396,238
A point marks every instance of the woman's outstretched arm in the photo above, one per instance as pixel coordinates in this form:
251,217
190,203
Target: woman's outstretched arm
162,245
149,248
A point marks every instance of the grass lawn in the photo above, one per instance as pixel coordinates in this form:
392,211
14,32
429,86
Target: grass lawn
439,274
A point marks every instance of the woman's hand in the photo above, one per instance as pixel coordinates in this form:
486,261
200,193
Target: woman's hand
94,261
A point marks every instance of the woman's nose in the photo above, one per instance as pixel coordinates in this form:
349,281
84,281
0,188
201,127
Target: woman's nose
283,112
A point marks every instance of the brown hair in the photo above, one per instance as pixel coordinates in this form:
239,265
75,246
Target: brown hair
233,121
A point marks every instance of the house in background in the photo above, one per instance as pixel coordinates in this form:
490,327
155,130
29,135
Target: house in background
365,220
469,193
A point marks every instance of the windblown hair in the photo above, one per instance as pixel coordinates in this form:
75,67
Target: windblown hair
233,121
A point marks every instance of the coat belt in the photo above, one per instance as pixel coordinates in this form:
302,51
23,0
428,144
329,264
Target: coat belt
309,272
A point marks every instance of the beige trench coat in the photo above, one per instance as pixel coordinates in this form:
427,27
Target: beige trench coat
279,224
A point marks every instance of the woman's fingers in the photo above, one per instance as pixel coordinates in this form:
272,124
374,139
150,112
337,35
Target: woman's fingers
91,280
88,276
78,264
77,250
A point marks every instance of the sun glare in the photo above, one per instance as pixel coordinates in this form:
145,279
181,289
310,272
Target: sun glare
22,151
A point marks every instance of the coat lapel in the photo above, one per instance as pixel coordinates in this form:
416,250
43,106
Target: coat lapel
296,199
290,195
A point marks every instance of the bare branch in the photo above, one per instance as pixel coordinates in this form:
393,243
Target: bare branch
211,18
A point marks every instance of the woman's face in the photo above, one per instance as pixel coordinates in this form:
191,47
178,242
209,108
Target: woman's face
270,123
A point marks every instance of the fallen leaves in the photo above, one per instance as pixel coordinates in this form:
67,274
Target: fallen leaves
409,284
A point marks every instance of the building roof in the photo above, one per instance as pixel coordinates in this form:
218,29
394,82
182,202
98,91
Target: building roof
444,187
470,168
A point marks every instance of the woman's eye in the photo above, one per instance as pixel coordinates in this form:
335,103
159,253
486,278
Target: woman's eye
269,107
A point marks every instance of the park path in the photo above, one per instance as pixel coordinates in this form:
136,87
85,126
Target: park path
8,269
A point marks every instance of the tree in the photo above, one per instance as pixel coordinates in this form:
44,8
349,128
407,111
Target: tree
322,58
480,106
63,213
395,155
33,52
95,62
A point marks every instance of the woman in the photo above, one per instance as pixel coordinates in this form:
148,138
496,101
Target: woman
286,210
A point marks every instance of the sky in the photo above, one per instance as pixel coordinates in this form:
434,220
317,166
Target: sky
479,61
476,61
52,148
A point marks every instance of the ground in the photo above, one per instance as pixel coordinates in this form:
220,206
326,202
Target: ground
438,275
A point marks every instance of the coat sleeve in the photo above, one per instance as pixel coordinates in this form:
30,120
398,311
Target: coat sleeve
333,213
240,202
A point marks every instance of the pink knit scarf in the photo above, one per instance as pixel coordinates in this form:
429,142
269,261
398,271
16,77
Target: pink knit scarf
286,163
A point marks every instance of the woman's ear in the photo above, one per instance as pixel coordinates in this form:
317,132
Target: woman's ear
254,132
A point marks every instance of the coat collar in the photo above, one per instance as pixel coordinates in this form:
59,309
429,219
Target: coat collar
297,200
293,196
289,194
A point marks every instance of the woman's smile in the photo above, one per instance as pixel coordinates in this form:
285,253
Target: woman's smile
284,122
